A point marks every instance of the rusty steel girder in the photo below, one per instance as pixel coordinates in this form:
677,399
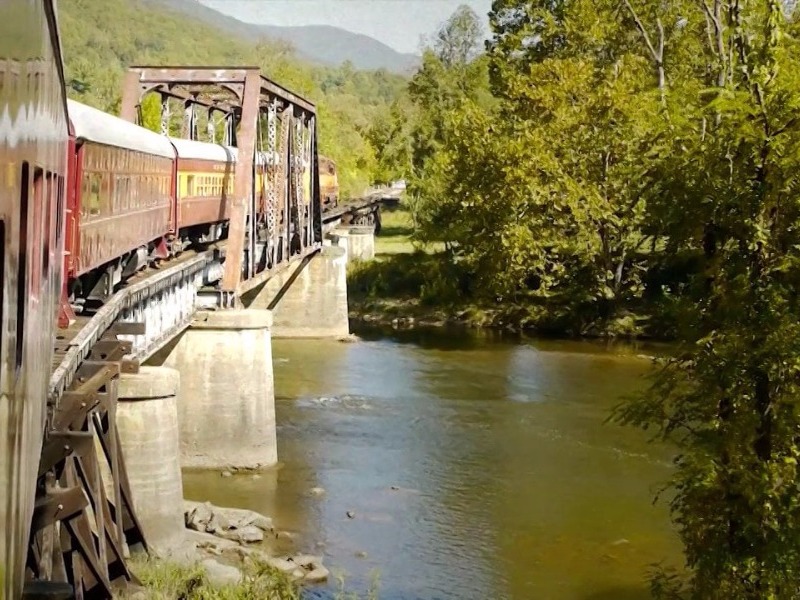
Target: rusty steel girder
243,95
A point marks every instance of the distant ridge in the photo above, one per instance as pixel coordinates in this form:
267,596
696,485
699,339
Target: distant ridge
317,43
333,45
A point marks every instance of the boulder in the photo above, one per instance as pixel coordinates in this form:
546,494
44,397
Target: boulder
218,523
318,575
207,518
239,518
198,516
220,575
246,535
207,541
281,564
307,561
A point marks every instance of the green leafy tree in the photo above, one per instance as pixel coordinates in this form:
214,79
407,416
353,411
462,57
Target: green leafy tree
729,399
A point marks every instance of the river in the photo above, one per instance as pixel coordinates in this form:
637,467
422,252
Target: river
472,466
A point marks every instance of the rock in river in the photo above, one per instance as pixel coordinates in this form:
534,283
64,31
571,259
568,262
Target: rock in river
221,575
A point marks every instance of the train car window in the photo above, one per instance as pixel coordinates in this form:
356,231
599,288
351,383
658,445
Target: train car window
50,191
190,185
60,213
85,186
92,201
125,201
22,262
37,235
116,191
104,196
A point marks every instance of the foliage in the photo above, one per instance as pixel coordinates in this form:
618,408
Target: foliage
101,38
730,399
643,158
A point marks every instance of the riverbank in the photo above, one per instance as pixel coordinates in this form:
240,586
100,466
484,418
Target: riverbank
411,285
226,553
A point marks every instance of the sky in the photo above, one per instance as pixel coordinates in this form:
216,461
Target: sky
397,23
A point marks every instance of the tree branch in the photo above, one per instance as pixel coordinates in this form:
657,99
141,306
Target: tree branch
643,31
656,54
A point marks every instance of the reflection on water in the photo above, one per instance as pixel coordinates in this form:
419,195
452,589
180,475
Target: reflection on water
476,467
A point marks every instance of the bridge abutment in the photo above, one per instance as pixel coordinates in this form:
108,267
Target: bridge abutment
309,301
226,403
147,422
358,239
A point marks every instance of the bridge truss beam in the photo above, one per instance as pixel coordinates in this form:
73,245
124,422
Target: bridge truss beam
283,218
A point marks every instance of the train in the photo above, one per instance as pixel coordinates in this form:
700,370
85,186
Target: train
136,196
34,141
328,183
86,200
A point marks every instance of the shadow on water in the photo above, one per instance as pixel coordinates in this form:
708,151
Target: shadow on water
620,593
436,338
458,337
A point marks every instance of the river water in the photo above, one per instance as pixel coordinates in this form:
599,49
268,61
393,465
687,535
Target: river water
472,467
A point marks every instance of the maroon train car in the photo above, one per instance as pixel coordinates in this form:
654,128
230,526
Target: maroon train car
121,201
33,167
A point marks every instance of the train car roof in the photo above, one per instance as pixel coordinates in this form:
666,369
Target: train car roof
203,150
97,126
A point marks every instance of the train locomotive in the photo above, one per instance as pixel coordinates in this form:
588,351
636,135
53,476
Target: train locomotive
86,200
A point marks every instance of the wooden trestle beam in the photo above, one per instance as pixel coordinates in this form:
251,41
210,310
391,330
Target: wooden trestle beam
80,534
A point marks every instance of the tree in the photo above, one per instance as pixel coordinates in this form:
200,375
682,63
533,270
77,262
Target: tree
729,399
457,41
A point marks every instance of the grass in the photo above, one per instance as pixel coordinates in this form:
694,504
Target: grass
168,581
397,225
162,580
395,236
406,279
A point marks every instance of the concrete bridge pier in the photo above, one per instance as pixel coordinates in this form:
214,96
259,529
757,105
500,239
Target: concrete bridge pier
310,299
147,422
226,403
358,239
361,242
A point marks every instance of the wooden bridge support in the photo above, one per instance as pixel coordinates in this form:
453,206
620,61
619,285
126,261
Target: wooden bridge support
80,534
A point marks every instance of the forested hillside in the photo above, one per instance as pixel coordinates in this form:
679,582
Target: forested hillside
102,37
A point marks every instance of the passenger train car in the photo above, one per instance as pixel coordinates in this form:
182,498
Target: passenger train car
120,200
205,178
136,196
33,168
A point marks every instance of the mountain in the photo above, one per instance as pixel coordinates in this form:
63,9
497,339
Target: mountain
333,45
322,44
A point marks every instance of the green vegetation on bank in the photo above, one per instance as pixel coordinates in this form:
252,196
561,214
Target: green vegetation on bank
163,580
101,38
167,581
